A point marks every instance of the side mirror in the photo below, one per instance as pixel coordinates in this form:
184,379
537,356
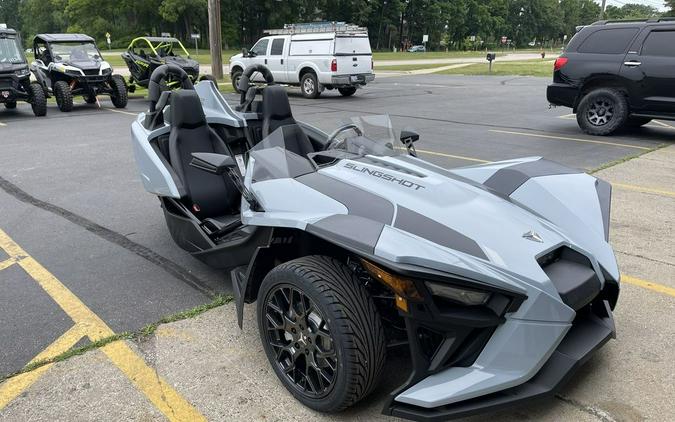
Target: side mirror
212,163
244,52
408,136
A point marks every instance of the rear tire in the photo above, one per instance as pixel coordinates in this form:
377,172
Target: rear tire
602,111
10,105
235,76
64,96
38,99
348,91
119,96
309,86
321,332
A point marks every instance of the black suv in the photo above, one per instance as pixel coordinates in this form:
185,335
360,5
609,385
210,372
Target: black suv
617,73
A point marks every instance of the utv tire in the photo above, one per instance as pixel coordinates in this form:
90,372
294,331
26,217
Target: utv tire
602,111
64,97
90,99
38,99
636,122
309,86
348,91
119,96
235,76
10,105
321,332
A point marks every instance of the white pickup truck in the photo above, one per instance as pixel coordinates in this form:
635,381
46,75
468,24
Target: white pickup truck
314,57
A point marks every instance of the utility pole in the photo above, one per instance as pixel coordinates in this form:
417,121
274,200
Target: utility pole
215,39
602,9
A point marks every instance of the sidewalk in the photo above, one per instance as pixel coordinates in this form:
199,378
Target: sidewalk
223,373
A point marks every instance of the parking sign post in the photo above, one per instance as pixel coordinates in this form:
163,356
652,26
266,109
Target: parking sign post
196,37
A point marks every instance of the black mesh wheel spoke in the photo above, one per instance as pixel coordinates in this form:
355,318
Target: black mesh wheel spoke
301,340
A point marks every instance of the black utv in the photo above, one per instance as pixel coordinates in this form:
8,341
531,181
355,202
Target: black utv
15,84
69,65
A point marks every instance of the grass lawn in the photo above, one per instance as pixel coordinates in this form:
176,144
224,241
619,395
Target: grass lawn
536,67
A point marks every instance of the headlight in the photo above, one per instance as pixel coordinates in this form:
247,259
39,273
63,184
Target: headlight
107,71
458,294
22,72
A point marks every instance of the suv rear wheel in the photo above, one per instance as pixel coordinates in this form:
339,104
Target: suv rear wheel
64,97
602,111
321,332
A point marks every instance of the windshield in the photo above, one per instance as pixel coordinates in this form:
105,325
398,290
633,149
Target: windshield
288,153
10,51
75,52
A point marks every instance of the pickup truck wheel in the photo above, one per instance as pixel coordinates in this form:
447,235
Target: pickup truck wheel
10,105
64,96
321,332
348,91
235,76
602,111
38,100
309,86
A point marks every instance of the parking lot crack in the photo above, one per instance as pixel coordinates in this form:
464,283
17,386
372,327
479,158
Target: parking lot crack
111,236
644,257
600,414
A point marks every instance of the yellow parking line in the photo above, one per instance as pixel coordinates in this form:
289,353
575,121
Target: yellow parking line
14,386
460,157
7,262
644,189
648,285
161,394
565,138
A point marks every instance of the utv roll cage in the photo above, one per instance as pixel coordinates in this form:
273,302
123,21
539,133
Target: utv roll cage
160,46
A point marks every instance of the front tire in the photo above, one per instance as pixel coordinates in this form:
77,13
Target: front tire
119,96
64,96
235,76
347,91
602,111
321,332
38,99
309,86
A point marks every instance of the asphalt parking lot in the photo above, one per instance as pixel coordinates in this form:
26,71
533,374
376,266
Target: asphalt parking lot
72,203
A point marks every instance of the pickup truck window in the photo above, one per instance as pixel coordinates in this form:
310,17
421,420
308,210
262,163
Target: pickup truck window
277,47
660,43
260,48
352,45
608,41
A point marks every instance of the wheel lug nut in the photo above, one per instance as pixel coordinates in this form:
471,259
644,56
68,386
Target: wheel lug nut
297,346
293,330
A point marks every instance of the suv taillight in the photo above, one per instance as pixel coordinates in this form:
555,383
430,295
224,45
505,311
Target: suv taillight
559,63
333,65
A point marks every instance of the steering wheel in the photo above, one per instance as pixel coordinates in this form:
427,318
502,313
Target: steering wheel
161,74
244,84
332,144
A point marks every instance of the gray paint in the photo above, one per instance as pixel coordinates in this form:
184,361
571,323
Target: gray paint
604,190
351,231
506,180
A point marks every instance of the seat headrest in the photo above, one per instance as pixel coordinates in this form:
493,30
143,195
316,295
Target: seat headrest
186,109
275,103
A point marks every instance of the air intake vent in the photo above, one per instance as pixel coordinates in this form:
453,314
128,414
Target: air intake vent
572,275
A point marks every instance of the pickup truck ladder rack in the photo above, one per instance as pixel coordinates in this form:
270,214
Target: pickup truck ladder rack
317,27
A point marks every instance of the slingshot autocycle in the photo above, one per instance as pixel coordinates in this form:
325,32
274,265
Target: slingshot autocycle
498,278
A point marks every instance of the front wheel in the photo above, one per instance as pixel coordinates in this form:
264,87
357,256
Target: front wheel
309,86
602,111
235,76
38,99
64,96
347,91
119,94
321,332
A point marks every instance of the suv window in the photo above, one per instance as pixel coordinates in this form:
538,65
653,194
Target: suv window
277,47
660,43
260,48
608,41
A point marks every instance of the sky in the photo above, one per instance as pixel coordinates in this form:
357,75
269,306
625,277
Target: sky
659,4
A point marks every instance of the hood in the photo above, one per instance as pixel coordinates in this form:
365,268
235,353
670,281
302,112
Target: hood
455,213
84,64
12,67
182,62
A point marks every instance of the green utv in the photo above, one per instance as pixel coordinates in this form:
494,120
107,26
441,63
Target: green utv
15,84
69,65
145,54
